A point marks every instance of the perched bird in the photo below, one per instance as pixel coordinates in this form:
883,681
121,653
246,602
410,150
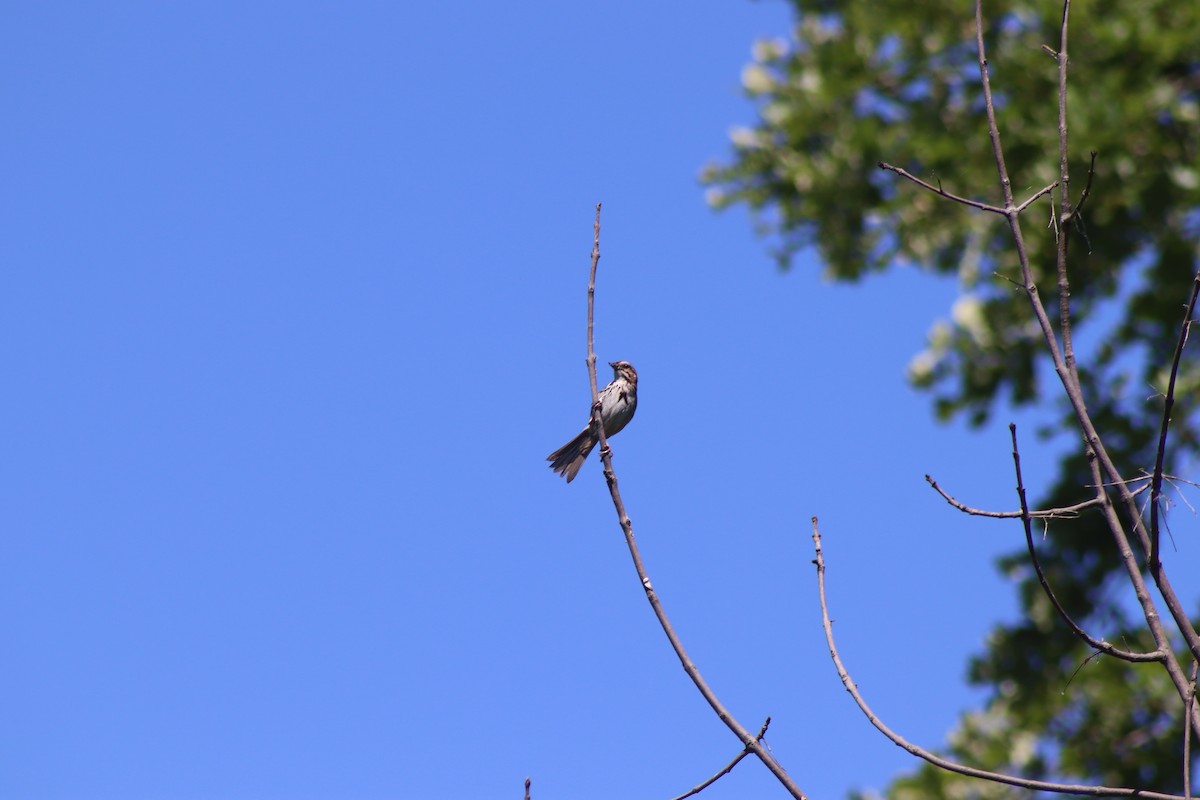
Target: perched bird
618,401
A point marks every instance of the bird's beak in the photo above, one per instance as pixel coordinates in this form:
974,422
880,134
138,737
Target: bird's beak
612,364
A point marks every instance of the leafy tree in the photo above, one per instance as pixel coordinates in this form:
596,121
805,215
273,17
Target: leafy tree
860,82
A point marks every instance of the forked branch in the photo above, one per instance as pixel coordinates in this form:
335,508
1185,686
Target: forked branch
940,192
725,770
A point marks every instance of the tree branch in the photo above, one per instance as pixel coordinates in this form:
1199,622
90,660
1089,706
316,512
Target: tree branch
725,770
1074,393
750,742
938,761
938,190
1097,644
1036,195
1067,512
1168,404
1064,204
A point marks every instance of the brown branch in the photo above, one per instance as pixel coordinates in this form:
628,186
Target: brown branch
1070,383
1096,644
1067,512
1168,404
1064,204
1063,360
728,768
1178,614
938,761
1140,589
527,783
744,736
938,190
1034,198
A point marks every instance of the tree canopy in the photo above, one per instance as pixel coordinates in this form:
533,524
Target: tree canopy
860,82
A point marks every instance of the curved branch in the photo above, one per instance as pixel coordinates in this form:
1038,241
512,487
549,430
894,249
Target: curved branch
748,739
1168,404
1067,512
1141,591
1097,644
938,761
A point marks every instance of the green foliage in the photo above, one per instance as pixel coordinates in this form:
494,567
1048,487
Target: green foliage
862,82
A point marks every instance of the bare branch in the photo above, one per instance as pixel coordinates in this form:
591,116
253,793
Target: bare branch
993,128
1097,644
728,768
1034,198
744,736
938,761
938,190
1076,215
1068,512
1168,404
1087,188
1140,590
1068,378
1064,204
1104,470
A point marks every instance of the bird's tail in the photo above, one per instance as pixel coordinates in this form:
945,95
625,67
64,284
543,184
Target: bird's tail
568,459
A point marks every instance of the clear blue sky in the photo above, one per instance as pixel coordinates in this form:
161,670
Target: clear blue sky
292,312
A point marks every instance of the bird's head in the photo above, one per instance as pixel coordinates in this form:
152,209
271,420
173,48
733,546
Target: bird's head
623,369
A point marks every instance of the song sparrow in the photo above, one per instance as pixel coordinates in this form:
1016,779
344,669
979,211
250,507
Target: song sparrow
618,401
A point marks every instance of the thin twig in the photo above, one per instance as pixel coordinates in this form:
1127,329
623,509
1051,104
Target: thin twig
527,783
1168,404
744,736
1078,669
1097,644
1145,476
1068,512
1076,216
1031,200
725,770
1182,497
1064,204
938,761
1087,187
938,190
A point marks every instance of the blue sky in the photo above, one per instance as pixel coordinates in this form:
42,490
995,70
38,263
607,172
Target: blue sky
293,310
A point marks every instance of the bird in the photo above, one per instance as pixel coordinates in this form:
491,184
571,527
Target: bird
618,401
